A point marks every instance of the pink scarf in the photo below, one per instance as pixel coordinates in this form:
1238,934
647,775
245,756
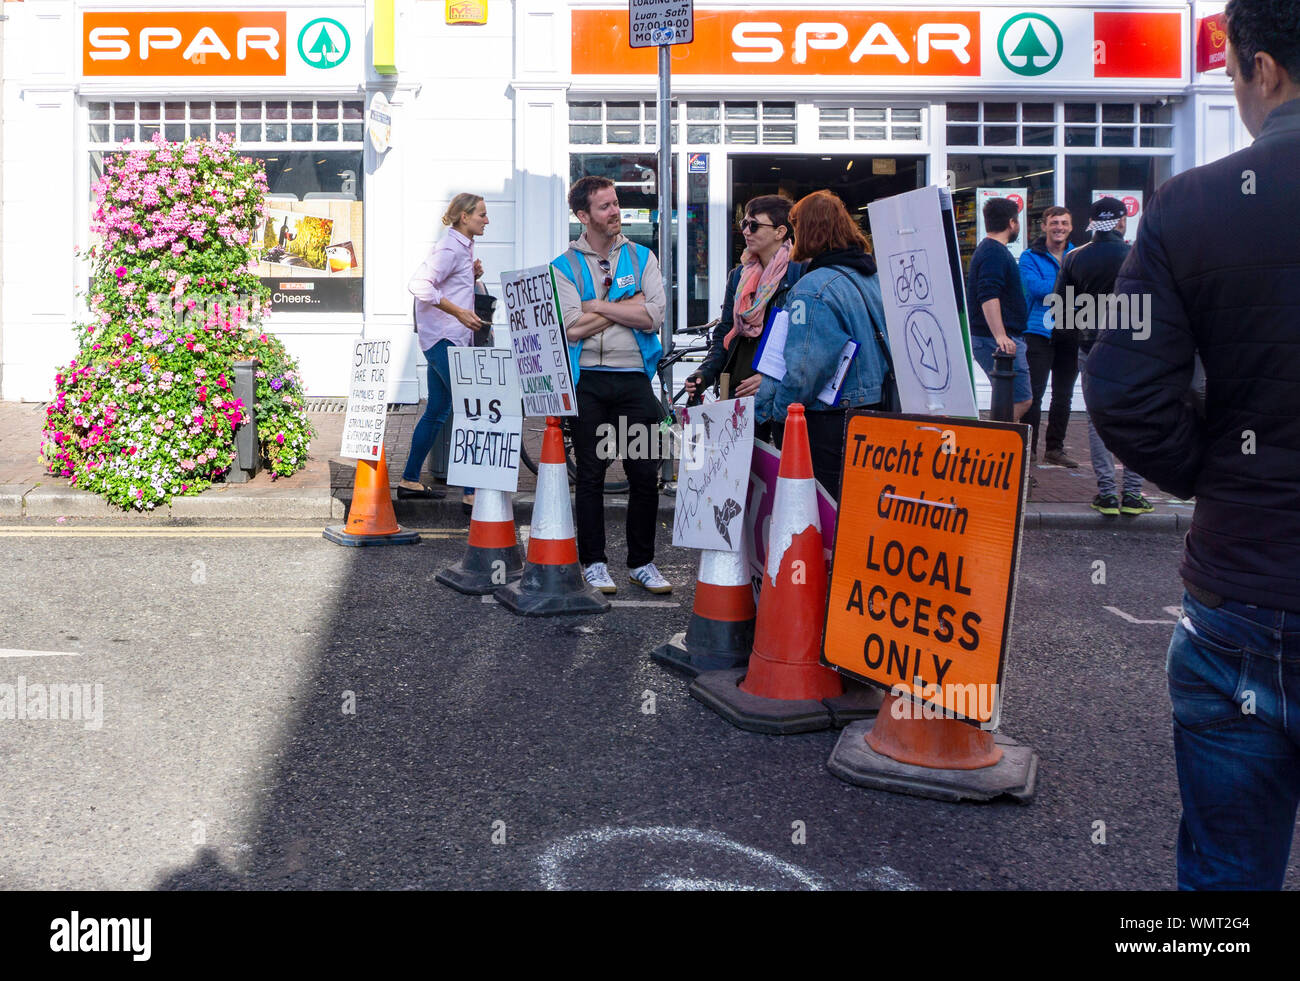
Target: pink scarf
757,284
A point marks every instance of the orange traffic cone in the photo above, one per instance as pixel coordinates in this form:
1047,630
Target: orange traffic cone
785,689
908,751
371,520
720,633
552,583
492,558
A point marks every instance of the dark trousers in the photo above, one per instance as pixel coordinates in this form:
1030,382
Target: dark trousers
825,443
1057,356
623,401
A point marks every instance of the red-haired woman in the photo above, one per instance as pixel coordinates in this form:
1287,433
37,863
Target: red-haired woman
836,300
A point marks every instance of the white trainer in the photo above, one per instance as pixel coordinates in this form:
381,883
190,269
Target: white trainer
648,577
597,576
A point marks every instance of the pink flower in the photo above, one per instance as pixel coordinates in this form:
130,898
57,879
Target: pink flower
121,271
279,438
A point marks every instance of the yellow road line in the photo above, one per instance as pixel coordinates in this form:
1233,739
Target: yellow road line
99,532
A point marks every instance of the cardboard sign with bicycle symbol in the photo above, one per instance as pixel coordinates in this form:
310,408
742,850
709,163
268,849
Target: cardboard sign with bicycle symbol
924,300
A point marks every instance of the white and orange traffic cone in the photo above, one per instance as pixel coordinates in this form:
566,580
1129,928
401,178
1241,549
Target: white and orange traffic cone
492,558
785,688
371,519
552,583
720,633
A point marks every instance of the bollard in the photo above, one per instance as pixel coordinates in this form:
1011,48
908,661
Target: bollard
1002,404
247,451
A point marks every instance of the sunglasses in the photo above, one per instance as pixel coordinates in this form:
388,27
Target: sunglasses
750,225
604,267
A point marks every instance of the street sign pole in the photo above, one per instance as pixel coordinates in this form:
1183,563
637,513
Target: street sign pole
666,226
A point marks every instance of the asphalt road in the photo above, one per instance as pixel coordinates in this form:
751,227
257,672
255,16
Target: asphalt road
492,751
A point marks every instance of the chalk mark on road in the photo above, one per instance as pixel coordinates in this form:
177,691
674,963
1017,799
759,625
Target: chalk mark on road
489,598
551,862
18,652
1132,619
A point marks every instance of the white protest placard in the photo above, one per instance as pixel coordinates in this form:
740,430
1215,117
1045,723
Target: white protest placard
368,384
1132,201
1017,196
713,475
652,23
928,338
541,350
487,424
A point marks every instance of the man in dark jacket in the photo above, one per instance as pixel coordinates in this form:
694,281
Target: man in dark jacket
1219,255
1084,301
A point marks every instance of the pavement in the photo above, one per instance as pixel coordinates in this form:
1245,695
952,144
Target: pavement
323,488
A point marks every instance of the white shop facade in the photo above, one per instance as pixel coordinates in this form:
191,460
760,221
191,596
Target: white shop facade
1052,104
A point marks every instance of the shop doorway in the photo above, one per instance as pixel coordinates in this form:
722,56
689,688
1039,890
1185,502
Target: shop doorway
857,179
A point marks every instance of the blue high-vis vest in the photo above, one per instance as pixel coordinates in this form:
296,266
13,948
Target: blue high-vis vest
632,258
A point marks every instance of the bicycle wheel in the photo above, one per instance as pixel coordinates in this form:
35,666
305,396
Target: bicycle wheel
903,289
922,286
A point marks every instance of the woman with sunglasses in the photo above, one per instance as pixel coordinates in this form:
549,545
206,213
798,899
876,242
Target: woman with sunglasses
755,289
836,300
443,287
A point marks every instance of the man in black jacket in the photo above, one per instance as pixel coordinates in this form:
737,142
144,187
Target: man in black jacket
1084,301
1219,255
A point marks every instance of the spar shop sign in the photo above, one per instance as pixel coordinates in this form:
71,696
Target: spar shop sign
294,44
924,566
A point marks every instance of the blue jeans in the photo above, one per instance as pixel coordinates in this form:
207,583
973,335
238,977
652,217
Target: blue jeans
1234,681
435,411
982,350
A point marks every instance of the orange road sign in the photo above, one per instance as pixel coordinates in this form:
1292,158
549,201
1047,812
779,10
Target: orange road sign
924,566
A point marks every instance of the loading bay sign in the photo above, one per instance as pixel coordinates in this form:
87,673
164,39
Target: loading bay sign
653,23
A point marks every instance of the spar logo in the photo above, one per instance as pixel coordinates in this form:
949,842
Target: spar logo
324,43
1030,44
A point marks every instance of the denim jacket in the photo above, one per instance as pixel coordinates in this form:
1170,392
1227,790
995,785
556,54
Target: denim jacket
833,311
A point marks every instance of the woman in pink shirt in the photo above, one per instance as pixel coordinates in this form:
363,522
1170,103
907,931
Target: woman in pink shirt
443,287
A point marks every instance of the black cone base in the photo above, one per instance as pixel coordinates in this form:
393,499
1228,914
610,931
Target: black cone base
1015,775
678,655
720,691
551,591
338,536
483,570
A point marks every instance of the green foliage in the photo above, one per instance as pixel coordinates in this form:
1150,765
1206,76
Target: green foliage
146,411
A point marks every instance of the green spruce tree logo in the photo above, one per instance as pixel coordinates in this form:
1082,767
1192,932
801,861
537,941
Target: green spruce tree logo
324,43
1029,56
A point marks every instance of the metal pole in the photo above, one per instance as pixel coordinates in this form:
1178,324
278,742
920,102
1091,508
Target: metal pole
666,224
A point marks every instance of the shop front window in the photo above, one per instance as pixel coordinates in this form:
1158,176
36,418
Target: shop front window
977,177
635,177
1131,179
310,248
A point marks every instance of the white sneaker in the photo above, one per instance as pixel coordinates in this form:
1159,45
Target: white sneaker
648,577
597,576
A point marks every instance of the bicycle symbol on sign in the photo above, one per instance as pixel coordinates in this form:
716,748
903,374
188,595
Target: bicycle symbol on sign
911,282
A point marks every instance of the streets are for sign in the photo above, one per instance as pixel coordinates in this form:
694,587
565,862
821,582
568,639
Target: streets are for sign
371,373
924,566
487,425
538,341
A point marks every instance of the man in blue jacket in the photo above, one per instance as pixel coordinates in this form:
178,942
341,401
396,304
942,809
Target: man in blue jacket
1219,256
1054,352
